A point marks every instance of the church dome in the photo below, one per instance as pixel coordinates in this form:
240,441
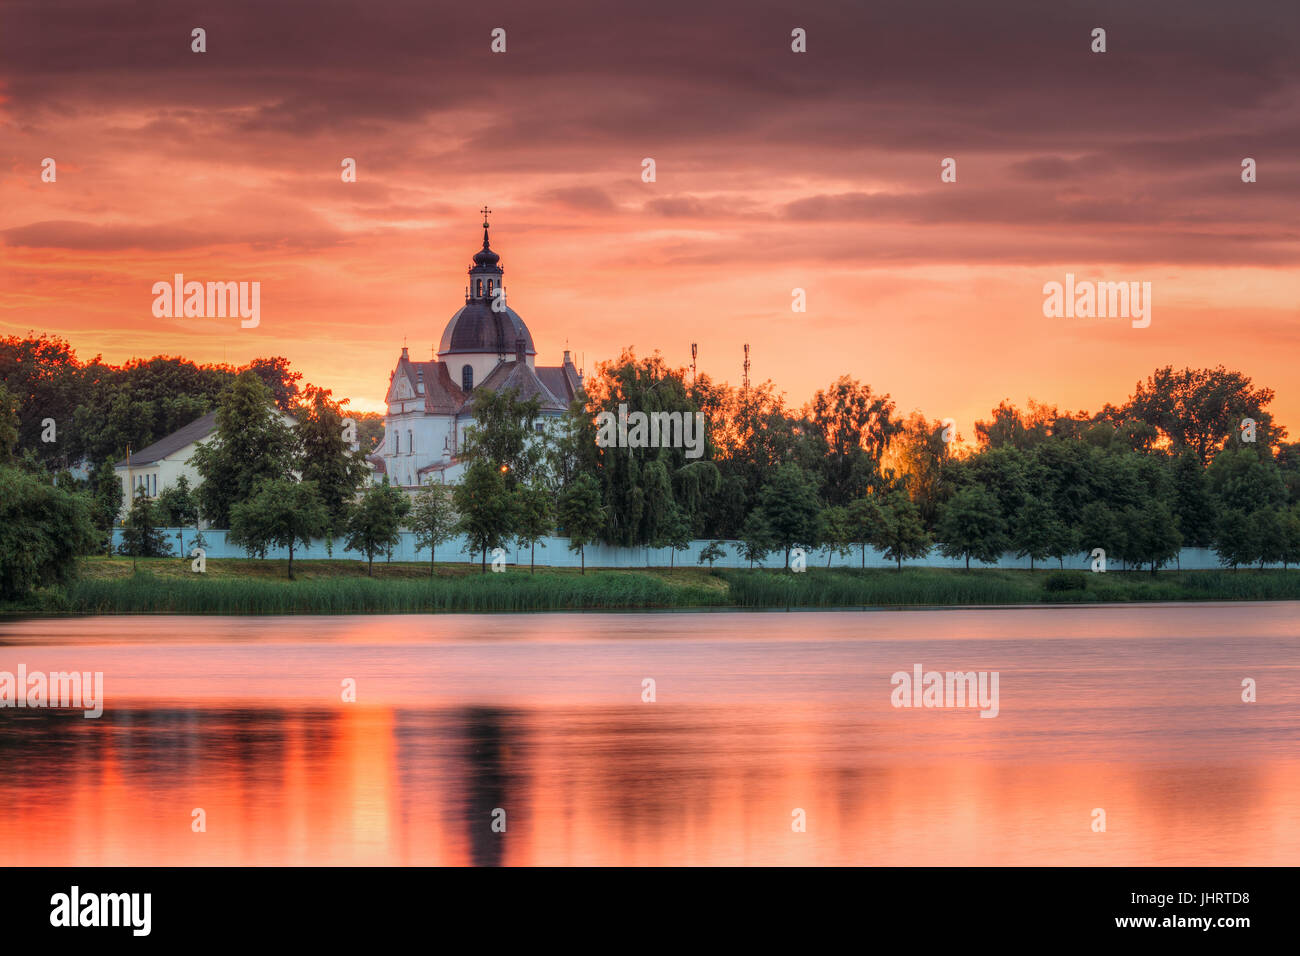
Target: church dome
477,328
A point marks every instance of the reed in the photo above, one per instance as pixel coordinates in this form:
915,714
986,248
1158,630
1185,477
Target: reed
146,592
333,590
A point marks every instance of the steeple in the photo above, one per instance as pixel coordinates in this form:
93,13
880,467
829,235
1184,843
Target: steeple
485,274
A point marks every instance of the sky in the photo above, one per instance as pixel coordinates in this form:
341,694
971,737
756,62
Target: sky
774,170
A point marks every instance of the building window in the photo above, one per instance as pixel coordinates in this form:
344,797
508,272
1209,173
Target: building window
478,285
410,442
467,378
397,443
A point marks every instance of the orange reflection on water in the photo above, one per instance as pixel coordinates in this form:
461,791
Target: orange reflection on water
377,786
756,716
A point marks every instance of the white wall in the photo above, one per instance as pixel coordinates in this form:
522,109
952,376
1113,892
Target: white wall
554,552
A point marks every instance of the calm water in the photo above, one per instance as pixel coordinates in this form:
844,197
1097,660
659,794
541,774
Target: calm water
1135,710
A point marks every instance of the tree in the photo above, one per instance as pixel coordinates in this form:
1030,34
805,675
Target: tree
1099,528
282,513
9,424
920,457
1194,505
1291,536
535,518
1008,427
645,479
855,427
502,435
1246,478
106,500
42,377
713,551
1235,538
1151,535
1062,539
790,508
42,530
487,507
326,457
280,380
374,523
756,537
433,519
901,533
178,506
837,532
252,444
1036,530
581,514
1201,410
1268,529
141,536
675,532
864,522
970,525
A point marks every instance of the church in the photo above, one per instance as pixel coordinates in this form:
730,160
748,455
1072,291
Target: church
484,345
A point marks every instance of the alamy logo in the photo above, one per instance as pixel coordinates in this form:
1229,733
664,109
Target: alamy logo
133,910
952,689
651,430
212,300
1098,300
75,689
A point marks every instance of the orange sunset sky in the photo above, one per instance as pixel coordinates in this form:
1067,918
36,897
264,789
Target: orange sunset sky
775,170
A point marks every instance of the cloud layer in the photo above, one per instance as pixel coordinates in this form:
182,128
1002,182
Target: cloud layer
775,170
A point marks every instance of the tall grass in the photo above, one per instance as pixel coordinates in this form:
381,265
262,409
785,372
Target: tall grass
941,587
838,587
147,592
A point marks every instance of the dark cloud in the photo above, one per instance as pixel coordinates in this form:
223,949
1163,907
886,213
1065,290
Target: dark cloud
579,197
1046,133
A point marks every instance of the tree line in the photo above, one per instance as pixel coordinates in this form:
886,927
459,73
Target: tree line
1191,458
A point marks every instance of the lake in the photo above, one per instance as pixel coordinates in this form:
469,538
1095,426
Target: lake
760,722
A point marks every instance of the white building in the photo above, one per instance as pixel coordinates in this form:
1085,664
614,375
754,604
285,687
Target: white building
161,464
485,345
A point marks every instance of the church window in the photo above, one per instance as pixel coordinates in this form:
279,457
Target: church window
397,443
467,378
410,442
478,287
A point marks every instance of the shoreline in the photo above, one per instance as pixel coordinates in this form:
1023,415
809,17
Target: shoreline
242,587
10,617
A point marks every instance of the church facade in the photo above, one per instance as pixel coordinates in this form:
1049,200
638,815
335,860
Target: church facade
484,345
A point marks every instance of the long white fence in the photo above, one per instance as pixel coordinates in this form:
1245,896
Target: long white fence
555,552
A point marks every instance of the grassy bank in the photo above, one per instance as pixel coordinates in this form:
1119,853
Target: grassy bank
950,588
111,586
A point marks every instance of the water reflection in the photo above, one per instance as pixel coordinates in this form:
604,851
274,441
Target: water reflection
552,730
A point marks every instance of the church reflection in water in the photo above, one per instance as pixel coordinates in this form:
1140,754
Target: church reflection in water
593,785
